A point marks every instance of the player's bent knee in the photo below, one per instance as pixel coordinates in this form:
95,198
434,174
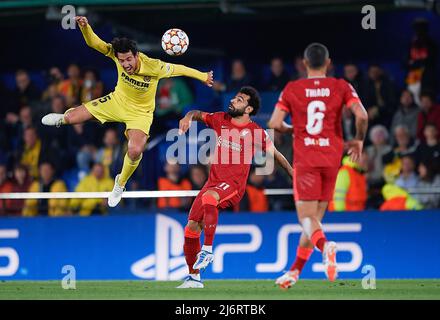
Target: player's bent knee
134,152
210,199
192,230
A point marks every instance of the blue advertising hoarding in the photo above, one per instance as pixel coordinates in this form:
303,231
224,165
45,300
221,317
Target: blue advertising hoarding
246,246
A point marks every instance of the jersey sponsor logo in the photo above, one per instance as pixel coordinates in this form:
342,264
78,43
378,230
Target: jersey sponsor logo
134,82
321,142
221,142
319,92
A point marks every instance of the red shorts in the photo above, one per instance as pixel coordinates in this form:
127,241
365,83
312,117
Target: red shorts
314,183
229,196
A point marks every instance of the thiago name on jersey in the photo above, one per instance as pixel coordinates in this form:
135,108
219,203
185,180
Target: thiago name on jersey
320,92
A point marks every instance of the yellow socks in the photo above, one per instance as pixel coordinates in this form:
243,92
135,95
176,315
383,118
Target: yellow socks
128,168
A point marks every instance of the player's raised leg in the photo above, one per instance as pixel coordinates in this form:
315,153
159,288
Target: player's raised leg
210,200
137,141
76,115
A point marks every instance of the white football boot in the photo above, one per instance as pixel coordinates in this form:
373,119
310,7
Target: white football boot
116,195
53,119
204,258
288,279
329,260
192,282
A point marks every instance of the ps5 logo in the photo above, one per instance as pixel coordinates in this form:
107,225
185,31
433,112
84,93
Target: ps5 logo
168,261
283,248
9,253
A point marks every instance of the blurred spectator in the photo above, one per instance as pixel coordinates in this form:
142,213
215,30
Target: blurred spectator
173,181
406,114
422,60
71,87
429,150
404,145
197,176
94,182
351,186
82,142
30,154
51,91
5,187
239,78
173,96
408,177
111,155
255,200
26,92
429,113
278,76
353,76
8,105
300,68
54,140
380,99
428,179
46,183
379,138
92,87
20,183
397,198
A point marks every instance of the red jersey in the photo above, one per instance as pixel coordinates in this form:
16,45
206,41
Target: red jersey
315,105
236,145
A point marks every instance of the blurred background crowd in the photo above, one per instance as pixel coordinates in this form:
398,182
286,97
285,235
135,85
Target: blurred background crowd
402,151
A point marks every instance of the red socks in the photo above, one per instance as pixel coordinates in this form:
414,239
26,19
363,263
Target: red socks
190,248
302,256
210,218
318,239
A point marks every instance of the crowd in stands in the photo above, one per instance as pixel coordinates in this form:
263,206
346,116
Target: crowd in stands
402,151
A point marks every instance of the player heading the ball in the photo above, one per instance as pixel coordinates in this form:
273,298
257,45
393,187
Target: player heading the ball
132,102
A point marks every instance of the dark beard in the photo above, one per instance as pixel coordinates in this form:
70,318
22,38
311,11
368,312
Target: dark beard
235,113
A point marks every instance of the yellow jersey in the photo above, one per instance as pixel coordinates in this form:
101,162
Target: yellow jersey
139,90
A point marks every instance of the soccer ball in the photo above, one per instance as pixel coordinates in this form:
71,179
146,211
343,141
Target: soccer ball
175,42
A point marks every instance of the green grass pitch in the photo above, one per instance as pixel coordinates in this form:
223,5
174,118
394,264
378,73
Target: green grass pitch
221,289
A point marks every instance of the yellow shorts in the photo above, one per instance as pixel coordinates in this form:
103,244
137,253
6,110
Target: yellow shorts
110,109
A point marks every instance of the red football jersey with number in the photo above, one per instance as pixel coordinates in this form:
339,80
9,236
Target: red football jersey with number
236,145
315,106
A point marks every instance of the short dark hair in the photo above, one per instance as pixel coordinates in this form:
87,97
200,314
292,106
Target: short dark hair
254,98
316,54
124,45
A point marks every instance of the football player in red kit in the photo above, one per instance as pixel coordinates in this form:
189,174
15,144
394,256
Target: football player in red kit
315,106
238,138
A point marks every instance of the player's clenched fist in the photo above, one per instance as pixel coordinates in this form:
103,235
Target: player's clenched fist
82,21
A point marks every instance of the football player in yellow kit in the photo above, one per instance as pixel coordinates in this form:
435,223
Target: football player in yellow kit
132,102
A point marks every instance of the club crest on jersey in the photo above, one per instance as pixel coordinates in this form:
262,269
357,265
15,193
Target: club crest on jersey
243,133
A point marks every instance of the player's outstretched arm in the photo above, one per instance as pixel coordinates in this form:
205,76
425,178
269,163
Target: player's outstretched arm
181,70
277,121
281,160
356,145
91,38
185,122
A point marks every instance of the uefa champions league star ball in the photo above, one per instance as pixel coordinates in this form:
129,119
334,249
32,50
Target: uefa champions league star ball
175,42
